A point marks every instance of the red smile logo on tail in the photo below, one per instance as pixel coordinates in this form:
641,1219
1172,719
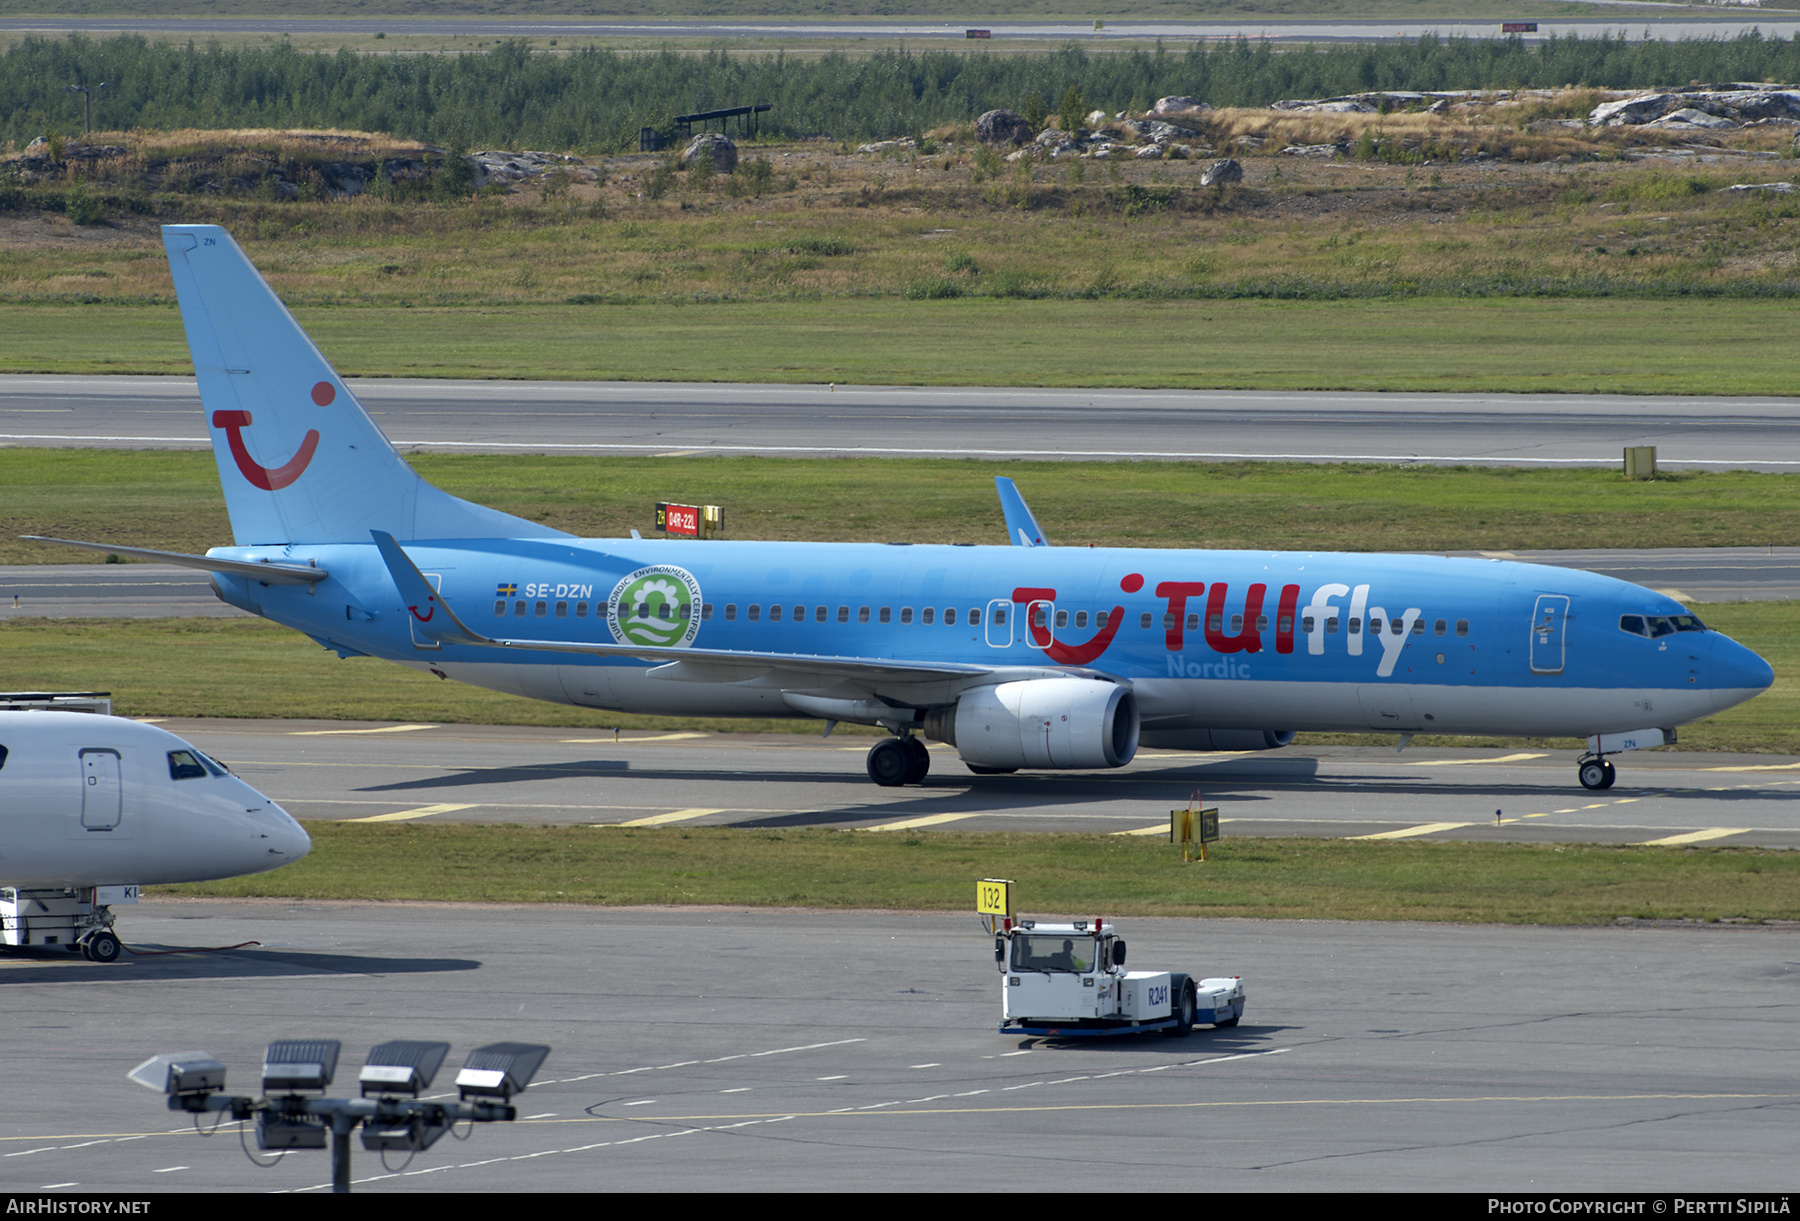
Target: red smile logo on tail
271,479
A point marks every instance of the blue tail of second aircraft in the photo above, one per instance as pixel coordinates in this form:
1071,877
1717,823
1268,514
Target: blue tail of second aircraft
299,459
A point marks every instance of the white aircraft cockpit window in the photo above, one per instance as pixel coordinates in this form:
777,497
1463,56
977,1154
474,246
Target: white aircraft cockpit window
183,765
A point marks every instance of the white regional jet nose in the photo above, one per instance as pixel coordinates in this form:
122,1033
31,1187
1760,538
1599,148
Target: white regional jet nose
275,838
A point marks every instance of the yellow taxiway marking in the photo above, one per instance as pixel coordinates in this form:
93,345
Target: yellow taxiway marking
657,820
1473,762
327,733
1163,829
1754,767
657,737
1694,837
1430,828
421,812
929,820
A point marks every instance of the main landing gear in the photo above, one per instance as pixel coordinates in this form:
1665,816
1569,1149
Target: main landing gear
897,761
1596,773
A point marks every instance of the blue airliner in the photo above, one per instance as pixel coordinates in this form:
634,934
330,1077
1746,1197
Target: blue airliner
1023,656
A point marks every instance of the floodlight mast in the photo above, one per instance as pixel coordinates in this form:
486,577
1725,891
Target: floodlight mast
395,1073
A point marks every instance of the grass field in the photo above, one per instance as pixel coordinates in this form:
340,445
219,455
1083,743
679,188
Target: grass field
1111,875
171,501
1556,346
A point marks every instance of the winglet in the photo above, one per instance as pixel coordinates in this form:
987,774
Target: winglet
432,616
1021,527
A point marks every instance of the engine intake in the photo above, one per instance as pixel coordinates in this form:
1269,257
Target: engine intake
1041,722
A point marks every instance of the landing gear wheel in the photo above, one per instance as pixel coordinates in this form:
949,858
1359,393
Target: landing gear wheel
1595,774
918,759
990,771
1185,1012
889,763
1612,774
101,947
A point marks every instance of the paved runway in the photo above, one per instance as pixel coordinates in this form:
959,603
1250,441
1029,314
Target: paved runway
479,773
780,1051
910,421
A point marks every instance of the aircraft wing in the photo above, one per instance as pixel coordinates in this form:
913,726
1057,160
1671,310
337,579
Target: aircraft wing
266,571
434,618
1022,528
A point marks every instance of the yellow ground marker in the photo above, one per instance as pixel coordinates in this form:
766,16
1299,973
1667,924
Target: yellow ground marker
1473,762
329,733
1159,829
421,812
1694,837
657,820
929,820
657,737
1429,828
1754,767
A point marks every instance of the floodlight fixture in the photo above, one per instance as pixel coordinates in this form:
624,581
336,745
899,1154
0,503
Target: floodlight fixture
401,1066
278,1130
291,1065
180,1073
499,1070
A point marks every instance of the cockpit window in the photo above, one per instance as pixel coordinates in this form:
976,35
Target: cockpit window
192,765
1658,626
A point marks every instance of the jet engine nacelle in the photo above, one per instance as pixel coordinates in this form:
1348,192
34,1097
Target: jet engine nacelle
1041,722
1217,739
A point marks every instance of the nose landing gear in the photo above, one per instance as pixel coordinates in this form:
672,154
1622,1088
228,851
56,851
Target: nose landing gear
1596,773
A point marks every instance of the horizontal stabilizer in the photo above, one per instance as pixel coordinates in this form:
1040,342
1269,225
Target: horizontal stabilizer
266,571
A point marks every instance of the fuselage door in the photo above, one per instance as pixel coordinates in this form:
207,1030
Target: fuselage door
101,789
1549,630
999,624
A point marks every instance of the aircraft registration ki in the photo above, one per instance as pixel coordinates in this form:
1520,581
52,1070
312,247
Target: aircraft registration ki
1020,656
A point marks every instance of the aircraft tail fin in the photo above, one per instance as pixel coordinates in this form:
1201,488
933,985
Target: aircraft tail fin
1021,526
299,459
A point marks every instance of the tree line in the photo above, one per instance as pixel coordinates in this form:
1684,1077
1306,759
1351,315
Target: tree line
596,100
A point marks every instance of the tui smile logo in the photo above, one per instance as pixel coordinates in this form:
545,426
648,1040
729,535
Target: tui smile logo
271,479
657,606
